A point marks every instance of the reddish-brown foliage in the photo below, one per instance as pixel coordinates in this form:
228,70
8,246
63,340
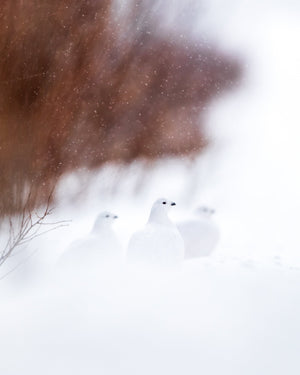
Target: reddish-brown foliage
80,86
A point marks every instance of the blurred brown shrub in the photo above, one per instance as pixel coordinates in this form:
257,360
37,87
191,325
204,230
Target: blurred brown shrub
82,84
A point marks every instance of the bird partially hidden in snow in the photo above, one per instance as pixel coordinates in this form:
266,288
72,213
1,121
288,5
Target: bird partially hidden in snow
200,233
159,242
97,248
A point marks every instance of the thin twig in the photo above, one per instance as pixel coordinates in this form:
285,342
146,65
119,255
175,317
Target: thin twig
29,227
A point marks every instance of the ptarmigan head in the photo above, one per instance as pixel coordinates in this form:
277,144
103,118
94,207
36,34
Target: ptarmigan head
160,209
163,204
205,211
104,219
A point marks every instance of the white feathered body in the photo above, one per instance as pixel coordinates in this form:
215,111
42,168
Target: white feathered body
156,244
94,250
200,236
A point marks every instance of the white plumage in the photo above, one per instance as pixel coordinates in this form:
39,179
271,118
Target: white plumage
97,248
200,233
159,242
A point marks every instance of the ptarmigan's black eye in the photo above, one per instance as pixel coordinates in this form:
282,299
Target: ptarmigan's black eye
164,202
106,215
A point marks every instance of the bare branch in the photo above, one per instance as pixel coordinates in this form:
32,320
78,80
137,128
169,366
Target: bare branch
28,226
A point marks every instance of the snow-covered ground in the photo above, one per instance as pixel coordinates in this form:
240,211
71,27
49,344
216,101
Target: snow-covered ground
236,312
211,318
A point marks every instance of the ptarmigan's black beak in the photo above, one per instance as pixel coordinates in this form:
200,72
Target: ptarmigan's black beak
115,217
173,204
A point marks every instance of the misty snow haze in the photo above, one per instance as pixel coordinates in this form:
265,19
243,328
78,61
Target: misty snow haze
234,311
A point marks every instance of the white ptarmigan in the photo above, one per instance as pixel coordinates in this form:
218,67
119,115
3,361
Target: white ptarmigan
159,243
200,233
97,248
